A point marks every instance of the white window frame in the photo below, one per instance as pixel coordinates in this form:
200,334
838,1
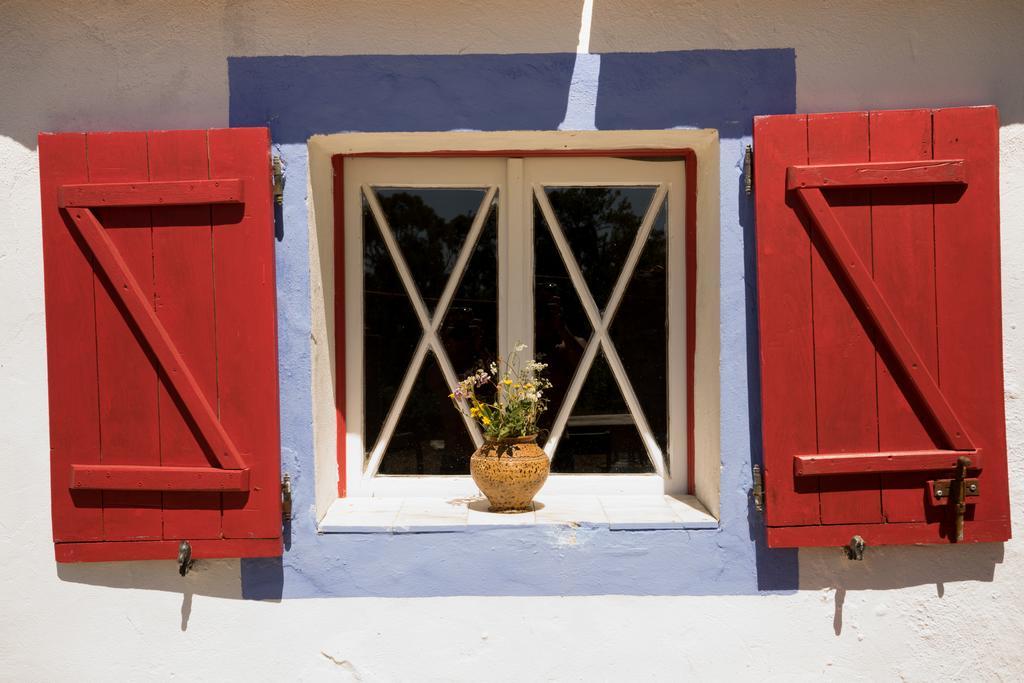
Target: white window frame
515,186
703,144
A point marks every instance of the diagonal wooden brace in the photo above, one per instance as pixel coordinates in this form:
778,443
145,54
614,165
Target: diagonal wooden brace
866,297
140,314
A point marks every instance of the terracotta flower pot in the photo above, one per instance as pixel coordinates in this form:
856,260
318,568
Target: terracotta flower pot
510,472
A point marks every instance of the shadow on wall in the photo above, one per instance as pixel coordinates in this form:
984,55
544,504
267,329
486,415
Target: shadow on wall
888,567
894,567
211,578
774,567
215,578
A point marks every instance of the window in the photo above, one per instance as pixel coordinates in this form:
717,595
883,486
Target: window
460,259
582,245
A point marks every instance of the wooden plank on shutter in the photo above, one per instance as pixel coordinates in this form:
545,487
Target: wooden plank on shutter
904,264
882,534
785,319
844,357
183,279
246,325
71,344
164,550
968,293
127,380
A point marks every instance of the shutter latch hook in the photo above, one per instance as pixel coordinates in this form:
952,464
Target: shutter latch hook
962,463
955,492
184,557
855,549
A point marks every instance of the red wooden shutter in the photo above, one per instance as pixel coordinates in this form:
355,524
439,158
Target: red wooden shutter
161,344
880,326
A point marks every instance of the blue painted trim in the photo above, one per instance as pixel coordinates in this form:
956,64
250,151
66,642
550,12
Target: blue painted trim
302,96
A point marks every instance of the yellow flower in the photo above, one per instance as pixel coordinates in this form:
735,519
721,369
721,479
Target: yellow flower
451,395
474,411
507,381
486,420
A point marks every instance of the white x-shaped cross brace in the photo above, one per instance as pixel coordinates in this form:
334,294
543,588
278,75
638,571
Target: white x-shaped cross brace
430,341
601,324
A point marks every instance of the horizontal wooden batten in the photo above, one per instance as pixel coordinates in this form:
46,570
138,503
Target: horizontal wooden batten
173,193
155,478
876,174
978,531
868,463
106,551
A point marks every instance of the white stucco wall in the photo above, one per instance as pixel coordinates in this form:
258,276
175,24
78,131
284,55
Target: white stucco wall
98,65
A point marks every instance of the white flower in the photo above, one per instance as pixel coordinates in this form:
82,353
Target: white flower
520,347
533,367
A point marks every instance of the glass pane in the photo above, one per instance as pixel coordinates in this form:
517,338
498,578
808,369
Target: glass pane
390,330
640,333
430,437
561,328
600,224
470,329
601,436
430,226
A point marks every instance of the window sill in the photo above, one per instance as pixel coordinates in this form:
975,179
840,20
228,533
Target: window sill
438,515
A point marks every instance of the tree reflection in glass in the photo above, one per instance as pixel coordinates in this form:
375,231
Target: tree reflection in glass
430,227
600,225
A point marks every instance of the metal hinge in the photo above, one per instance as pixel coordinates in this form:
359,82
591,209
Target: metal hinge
278,171
286,498
758,491
748,170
